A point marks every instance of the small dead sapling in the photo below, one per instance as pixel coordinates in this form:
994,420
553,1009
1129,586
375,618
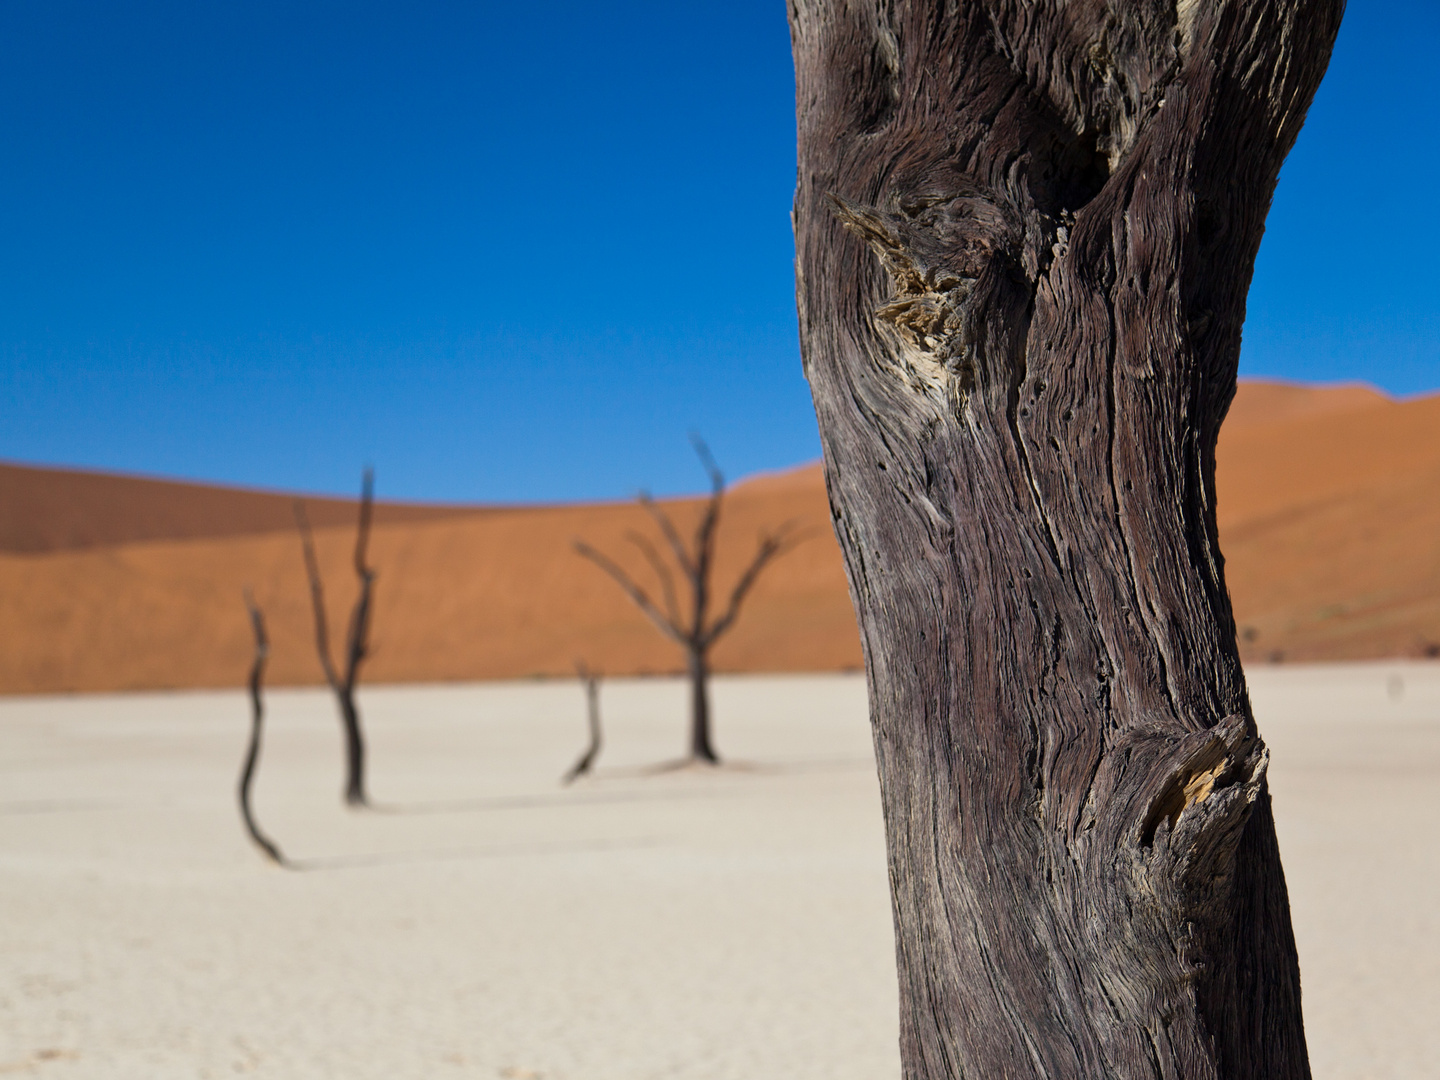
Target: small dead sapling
357,642
257,720
590,680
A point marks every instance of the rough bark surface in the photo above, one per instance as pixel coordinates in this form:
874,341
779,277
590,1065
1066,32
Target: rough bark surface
1024,233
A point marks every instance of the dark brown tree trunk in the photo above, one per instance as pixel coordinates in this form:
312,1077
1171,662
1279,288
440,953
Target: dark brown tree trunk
698,668
1024,236
354,747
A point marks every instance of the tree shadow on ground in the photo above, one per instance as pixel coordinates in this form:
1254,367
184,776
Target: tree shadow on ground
744,768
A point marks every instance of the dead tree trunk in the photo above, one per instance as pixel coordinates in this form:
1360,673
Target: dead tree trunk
1024,237
697,667
357,639
257,720
591,681
692,630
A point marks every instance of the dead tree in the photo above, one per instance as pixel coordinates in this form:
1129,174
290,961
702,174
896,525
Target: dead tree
591,681
257,719
357,640
693,629
1024,236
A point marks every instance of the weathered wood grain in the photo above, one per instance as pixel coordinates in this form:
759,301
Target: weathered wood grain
1024,235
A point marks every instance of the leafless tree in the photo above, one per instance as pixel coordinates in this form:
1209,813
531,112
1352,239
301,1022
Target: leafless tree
1024,232
357,641
257,719
591,681
693,629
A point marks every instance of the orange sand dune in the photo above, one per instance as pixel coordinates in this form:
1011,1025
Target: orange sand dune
483,595
1272,402
1330,523
57,509
1329,507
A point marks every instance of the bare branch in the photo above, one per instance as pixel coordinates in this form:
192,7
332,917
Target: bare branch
667,581
317,595
778,543
717,478
358,640
672,535
367,509
262,640
257,719
357,645
705,531
637,595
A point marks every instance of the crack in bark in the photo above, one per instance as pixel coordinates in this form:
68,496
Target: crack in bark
1012,409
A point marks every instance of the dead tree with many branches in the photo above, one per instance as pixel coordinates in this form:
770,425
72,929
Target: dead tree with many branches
357,640
1024,236
257,719
693,628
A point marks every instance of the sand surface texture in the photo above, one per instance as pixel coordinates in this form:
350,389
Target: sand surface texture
643,923
1328,508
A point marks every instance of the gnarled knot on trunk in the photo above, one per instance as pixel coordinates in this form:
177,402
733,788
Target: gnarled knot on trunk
927,311
1197,805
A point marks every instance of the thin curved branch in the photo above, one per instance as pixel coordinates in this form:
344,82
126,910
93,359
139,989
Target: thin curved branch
705,531
667,580
317,595
717,478
637,595
257,719
671,534
358,639
778,543
367,510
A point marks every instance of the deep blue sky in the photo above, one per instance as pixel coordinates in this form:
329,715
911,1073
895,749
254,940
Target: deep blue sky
517,252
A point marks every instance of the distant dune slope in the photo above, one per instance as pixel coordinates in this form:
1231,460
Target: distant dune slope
494,595
1330,524
1329,509
57,509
